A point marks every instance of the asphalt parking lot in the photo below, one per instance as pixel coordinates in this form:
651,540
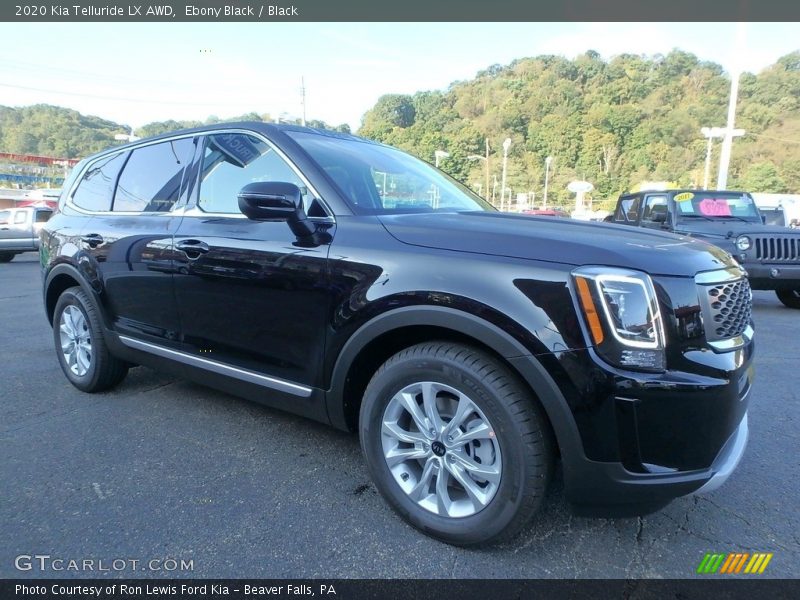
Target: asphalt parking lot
161,468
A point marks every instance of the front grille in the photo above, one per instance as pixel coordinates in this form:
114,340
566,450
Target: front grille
778,248
729,307
725,306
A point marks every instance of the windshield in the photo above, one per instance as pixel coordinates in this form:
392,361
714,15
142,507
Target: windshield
716,205
381,180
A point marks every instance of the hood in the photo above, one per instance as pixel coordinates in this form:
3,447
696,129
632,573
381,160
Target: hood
726,228
554,240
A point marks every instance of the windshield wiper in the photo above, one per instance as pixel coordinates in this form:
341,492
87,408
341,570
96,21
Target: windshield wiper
736,217
696,216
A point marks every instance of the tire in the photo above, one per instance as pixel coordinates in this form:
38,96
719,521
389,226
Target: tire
513,446
790,298
94,368
6,257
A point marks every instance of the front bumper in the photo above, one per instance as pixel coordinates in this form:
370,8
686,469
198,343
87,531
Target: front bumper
773,276
610,490
728,458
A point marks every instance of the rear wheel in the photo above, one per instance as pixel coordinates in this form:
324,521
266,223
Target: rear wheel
6,257
80,346
790,298
455,444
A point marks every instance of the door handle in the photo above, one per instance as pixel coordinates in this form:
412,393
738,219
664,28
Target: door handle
192,247
92,240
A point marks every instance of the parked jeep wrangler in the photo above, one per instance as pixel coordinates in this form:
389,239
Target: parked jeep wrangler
731,220
349,282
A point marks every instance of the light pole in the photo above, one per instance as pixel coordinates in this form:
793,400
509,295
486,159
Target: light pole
506,146
730,132
547,162
486,160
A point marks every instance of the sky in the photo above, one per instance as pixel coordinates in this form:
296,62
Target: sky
136,73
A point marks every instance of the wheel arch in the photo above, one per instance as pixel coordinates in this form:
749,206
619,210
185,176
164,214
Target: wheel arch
386,334
60,278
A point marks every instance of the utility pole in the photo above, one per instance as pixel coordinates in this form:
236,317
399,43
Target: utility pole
506,146
547,162
303,98
487,165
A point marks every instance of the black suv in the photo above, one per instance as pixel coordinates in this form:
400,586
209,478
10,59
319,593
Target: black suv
349,282
731,220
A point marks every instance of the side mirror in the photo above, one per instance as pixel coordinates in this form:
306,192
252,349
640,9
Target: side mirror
270,200
276,201
763,219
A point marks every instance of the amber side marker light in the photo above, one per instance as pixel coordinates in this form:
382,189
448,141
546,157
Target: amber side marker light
589,309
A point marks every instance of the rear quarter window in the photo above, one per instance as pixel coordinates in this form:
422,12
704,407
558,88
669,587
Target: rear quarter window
96,187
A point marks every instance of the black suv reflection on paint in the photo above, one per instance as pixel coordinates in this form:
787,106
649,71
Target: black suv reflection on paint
472,350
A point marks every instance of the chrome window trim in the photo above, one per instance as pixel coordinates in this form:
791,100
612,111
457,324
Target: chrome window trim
218,367
182,210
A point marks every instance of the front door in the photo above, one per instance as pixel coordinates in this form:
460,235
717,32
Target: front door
248,295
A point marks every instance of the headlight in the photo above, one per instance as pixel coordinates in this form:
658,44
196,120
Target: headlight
743,243
622,316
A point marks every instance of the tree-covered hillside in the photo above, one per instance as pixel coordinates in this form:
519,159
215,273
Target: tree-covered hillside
54,131
614,123
64,133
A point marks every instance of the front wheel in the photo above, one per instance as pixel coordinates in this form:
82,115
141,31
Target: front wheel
80,346
455,443
6,257
790,298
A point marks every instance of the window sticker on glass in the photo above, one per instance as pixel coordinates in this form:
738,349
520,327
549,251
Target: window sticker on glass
715,207
684,197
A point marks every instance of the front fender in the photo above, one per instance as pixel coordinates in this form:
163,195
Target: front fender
519,359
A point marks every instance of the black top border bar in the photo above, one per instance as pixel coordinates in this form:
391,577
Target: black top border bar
710,11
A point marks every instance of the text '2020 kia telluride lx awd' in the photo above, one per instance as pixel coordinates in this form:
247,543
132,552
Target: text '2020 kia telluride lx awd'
349,282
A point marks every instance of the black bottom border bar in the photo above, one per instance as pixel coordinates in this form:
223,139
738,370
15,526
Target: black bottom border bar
398,589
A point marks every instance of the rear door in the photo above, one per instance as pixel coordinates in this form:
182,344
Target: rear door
131,244
249,295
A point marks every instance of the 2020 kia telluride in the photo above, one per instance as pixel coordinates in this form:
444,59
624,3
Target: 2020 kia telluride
344,280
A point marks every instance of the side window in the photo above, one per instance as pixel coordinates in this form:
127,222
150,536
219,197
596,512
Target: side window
655,209
5,215
20,217
231,161
628,210
151,179
96,187
42,216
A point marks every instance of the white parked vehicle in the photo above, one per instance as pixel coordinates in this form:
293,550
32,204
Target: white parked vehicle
19,229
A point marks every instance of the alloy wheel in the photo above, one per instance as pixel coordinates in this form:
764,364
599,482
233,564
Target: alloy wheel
441,449
76,340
